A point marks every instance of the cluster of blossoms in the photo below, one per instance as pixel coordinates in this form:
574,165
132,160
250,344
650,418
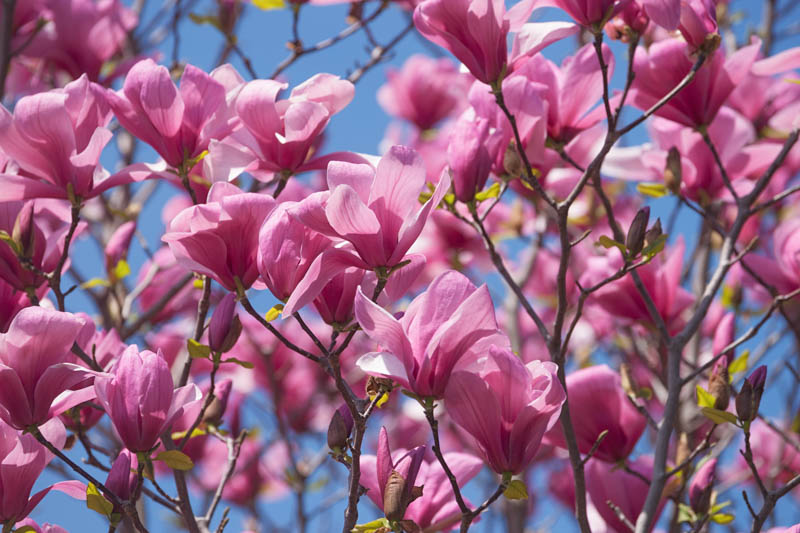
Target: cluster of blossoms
488,299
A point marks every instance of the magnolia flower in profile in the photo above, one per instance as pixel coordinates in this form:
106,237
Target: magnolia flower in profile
667,62
55,139
37,377
701,486
220,238
598,403
475,31
281,136
450,324
140,399
177,123
507,407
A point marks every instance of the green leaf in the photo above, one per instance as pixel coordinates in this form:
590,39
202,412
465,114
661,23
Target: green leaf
491,192
608,242
268,4
175,459
797,82
204,19
645,392
198,283
95,282
654,190
178,435
122,269
25,529
739,364
686,514
97,502
197,350
369,527
274,312
722,518
6,238
383,399
718,507
516,490
651,250
717,416
704,398
245,364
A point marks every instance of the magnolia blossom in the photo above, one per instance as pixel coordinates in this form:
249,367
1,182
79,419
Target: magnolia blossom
220,238
140,400
598,403
475,31
450,324
280,136
36,375
177,123
22,461
507,407
55,139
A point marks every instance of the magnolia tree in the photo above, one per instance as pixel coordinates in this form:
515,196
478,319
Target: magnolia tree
568,283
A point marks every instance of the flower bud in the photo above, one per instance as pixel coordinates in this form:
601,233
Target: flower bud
719,384
701,487
117,246
24,233
340,428
225,327
121,478
653,233
749,397
216,409
394,506
512,163
635,239
673,172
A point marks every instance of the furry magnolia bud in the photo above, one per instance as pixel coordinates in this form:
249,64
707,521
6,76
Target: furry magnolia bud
749,397
394,506
635,239
673,173
225,327
340,427
653,233
718,384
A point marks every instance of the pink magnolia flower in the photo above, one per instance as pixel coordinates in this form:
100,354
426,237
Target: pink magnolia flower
667,63
140,400
177,123
22,461
39,229
606,482
701,485
220,238
286,248
55,139
280,136
82,35
469,157
376,210
571,91
698,22
35,373
736,143
424,91
507,407
476,32
447,326
598,403
661,278
12,302
378,469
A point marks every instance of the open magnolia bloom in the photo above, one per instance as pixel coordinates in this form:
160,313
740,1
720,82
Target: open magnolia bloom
507,407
